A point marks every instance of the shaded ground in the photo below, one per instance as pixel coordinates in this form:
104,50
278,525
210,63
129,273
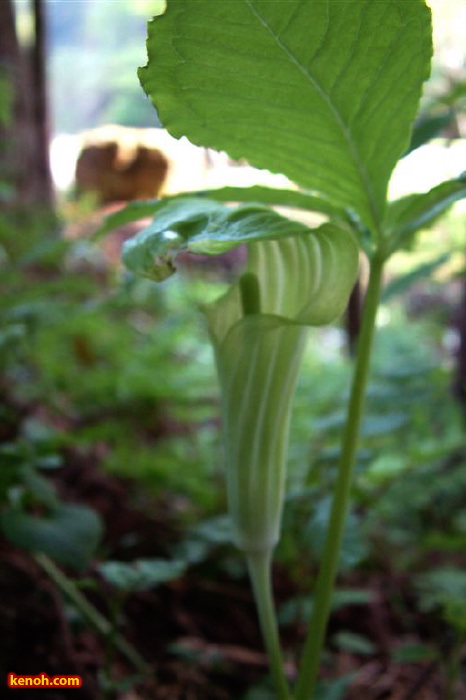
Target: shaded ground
199,633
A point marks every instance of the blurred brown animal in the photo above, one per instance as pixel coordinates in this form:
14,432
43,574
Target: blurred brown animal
115,171
119,164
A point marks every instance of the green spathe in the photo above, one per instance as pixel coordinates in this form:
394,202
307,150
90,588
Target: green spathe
295,277
258,366
302,281
323,91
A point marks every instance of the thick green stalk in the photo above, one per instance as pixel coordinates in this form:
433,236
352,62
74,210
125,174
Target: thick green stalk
250,293
259,564
310,660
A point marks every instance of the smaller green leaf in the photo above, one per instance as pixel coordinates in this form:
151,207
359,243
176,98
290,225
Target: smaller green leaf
301,607
49,462
12,459
384,424
332,422
215,531
14,454
401,284
408,215
428,127
69,534
343,597
297,199
353,643
11,335
42,489
203,539
444,589
440,585
142,574
6,192
133,211
261,691
456,94
385,468
258,194
46,252
297,608
414,654
201,226
354,547
334,690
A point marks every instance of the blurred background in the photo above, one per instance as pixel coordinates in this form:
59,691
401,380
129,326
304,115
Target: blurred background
111,474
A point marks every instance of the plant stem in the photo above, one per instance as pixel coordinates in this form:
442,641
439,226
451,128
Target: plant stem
249,290
88,611
310,660
259,564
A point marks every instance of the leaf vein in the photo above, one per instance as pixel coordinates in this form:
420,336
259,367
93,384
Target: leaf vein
346,132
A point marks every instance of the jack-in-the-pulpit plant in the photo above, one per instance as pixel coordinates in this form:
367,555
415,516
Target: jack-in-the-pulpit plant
258,331
295,277
325,92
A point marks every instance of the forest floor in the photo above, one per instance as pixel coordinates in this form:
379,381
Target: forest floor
199,633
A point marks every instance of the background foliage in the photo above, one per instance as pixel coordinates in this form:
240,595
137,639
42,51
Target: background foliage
100,372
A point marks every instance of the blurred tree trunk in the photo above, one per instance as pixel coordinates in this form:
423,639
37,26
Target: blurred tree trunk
24,141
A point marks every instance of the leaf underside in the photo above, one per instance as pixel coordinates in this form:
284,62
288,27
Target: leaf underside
200,226
297,199
323,91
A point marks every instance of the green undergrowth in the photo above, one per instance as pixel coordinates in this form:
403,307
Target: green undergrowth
129,366
96,363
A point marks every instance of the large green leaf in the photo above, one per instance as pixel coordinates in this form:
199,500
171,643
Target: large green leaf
323,91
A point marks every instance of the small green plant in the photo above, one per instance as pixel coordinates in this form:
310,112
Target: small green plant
126,578
34,518
325,93
443,591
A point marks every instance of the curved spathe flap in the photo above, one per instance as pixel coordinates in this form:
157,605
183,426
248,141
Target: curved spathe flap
304,275
200,225
302,280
